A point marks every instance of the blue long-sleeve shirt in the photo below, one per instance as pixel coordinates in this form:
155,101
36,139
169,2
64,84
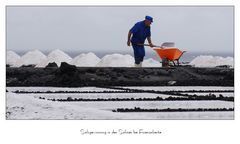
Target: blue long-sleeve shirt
140,32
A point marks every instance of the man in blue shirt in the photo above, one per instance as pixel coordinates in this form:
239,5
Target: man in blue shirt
137,36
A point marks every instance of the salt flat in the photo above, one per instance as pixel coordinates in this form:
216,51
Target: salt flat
29,106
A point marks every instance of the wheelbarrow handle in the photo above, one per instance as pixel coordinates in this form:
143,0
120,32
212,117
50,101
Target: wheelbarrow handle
149,45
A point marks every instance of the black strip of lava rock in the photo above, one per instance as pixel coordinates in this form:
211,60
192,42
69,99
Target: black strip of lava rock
71,76
170,98
137,109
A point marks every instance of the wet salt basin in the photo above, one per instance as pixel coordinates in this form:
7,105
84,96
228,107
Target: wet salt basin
54,89
101,95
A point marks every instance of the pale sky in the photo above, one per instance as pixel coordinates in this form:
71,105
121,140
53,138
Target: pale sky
104,29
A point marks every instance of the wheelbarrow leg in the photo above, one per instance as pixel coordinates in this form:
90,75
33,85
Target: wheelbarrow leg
179,58
178,62
165,62
173,63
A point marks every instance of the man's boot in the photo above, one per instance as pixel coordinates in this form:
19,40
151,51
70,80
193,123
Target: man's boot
138,65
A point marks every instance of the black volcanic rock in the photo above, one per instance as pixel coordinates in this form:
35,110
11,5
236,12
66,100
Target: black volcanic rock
72,76
224,66
51,65
66,68
66,75
30,65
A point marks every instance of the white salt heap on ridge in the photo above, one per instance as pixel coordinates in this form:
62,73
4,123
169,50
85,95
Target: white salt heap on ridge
119,60
56,56
33,57
12,58
85,60
211,61
116,60
37,58
151,63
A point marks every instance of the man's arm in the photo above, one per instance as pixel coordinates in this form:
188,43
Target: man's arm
129,37
150,41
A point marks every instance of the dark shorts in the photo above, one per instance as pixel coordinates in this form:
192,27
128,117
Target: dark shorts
139,53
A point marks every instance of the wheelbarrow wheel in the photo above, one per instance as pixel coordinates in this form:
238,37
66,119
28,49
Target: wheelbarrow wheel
165,62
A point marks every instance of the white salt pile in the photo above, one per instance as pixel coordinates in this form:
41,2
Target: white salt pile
31,58
116,60
151,63
12,58
211,61
112,60
85,60
56,56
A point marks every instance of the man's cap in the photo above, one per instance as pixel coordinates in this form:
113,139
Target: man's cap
149,18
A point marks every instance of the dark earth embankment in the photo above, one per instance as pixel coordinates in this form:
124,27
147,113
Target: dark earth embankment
71,76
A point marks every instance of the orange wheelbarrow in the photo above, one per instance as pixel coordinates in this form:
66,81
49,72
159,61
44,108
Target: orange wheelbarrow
168,53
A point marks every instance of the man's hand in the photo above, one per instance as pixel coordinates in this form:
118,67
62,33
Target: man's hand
128,43
129,38
150,42
151,45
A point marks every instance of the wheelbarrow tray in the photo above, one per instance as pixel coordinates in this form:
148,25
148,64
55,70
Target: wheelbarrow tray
171,53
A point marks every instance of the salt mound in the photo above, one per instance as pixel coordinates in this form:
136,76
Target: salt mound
116,60
211,61
31,58
85,60
151,63
56,56
12,58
